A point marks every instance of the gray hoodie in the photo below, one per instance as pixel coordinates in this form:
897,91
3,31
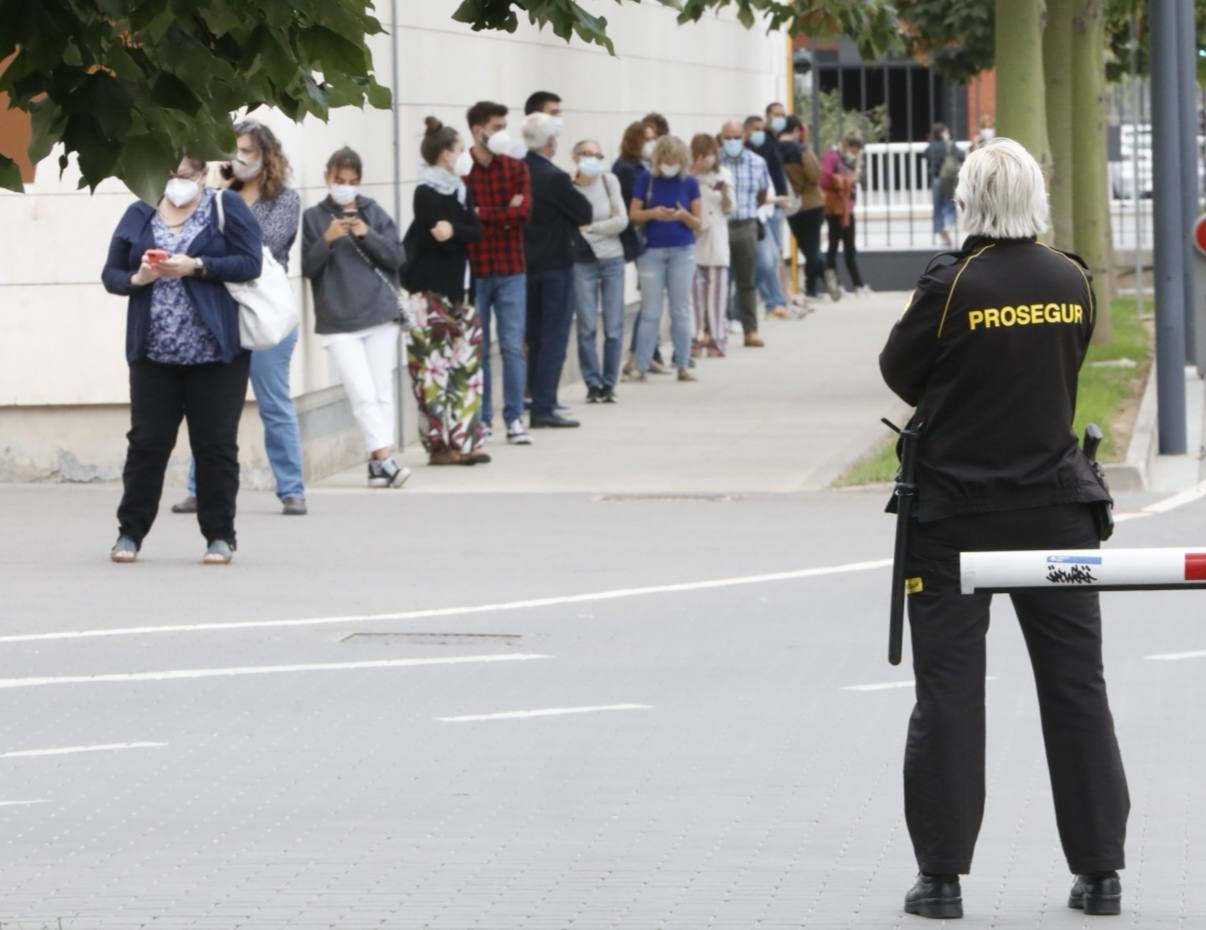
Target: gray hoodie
349,295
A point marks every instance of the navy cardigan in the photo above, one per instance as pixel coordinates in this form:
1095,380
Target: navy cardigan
237,255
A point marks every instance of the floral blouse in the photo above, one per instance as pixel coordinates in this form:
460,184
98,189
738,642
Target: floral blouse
178,335
278,219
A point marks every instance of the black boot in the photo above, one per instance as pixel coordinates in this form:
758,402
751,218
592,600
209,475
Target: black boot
1097,893
935,896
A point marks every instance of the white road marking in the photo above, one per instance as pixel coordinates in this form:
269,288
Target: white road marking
1177,656
71,750
889,685
194,673
549,712
21,803
1188,496
434,613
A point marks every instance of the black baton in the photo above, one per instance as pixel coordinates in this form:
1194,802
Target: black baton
1103,511
905,494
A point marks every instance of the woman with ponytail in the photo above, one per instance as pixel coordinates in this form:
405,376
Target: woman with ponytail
444,354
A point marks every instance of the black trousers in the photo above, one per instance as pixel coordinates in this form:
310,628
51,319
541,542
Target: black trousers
806,227
845,237
550,320
211,398
944,755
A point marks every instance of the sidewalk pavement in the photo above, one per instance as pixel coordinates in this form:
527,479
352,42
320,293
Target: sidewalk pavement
789,417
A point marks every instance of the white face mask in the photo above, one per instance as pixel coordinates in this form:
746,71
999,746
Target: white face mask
246,170
590,165
558,125
344,194
709,162
464,164
500,143
670,171
180,191
647,150
988,133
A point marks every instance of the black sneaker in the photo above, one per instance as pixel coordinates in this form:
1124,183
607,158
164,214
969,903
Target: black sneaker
1098,894
386,473
937,896
594,394
607,395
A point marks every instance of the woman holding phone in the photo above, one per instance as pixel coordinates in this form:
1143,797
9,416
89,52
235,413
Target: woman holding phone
182,345
351,254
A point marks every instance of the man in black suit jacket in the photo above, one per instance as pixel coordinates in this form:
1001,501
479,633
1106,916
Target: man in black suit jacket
558,210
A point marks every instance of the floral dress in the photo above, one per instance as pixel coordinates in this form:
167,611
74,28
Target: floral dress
444,357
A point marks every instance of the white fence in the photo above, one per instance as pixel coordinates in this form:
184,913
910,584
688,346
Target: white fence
895,209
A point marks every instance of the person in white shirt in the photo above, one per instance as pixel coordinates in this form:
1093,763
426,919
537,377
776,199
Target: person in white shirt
599,273
710,290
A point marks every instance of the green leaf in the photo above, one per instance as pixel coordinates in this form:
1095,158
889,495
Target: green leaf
333,52
379,97
144,164
10,175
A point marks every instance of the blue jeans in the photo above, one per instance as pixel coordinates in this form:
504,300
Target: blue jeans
550,318
944,208
667,271
600,285
506,297
282,438
770,261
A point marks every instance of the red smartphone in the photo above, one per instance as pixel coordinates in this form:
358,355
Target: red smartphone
155,256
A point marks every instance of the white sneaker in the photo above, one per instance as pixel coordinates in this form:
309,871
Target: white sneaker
517,434
487,435
735,328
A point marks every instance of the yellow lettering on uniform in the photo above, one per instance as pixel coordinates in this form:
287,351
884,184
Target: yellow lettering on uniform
914,585
1068,312
1036,313
992,317
1080,313
1023,315
1009,316
974,318
1051,312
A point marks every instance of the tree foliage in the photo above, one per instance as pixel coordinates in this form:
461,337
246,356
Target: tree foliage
870,23
128,85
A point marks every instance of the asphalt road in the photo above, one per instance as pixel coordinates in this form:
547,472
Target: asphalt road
280,743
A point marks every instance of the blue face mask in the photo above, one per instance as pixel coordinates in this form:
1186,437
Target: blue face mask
590,165
733,147
778,123
757,137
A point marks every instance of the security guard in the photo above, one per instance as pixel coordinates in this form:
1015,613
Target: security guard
988,351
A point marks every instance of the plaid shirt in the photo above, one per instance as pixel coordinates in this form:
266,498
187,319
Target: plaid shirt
750,176
500,251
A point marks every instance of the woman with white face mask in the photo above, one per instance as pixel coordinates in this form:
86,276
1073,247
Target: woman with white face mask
259,172
444,352
599,274
182,345
710,289
351,254
667,202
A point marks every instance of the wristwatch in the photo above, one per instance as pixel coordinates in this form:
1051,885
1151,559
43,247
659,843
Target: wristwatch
199,268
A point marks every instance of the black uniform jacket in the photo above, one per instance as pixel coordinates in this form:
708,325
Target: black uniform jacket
558,209
989,350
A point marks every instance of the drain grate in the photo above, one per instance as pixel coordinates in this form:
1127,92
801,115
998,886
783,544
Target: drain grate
701,498
433,639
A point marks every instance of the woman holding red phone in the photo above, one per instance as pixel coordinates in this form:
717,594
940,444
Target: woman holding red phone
182,345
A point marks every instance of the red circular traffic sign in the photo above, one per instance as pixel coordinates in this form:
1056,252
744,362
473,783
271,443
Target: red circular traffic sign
1199,234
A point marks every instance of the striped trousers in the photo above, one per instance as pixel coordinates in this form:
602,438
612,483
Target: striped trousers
710,296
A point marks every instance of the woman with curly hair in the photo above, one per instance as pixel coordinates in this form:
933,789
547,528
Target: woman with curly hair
259,172
444,353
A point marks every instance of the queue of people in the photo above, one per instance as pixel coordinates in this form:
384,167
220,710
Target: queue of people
503,244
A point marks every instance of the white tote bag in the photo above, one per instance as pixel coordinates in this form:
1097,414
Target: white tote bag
267,311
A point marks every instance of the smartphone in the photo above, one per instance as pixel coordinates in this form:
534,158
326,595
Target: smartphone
227,172
155,256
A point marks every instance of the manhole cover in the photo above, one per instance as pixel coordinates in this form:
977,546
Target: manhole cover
433,639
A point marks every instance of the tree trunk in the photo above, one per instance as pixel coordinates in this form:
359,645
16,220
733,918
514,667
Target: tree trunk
1021,110
1057,72
1090,186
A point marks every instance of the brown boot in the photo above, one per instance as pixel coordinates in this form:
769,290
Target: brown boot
474,458
753,341
444,457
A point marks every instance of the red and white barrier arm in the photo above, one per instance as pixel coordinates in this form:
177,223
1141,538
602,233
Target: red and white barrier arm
1098,569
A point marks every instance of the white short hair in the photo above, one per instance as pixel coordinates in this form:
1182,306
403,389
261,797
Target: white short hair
538,128
1002,193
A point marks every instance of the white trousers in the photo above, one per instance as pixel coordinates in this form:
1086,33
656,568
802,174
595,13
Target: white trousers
364,361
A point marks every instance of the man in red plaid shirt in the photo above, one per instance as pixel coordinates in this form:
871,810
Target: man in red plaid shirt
502,191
